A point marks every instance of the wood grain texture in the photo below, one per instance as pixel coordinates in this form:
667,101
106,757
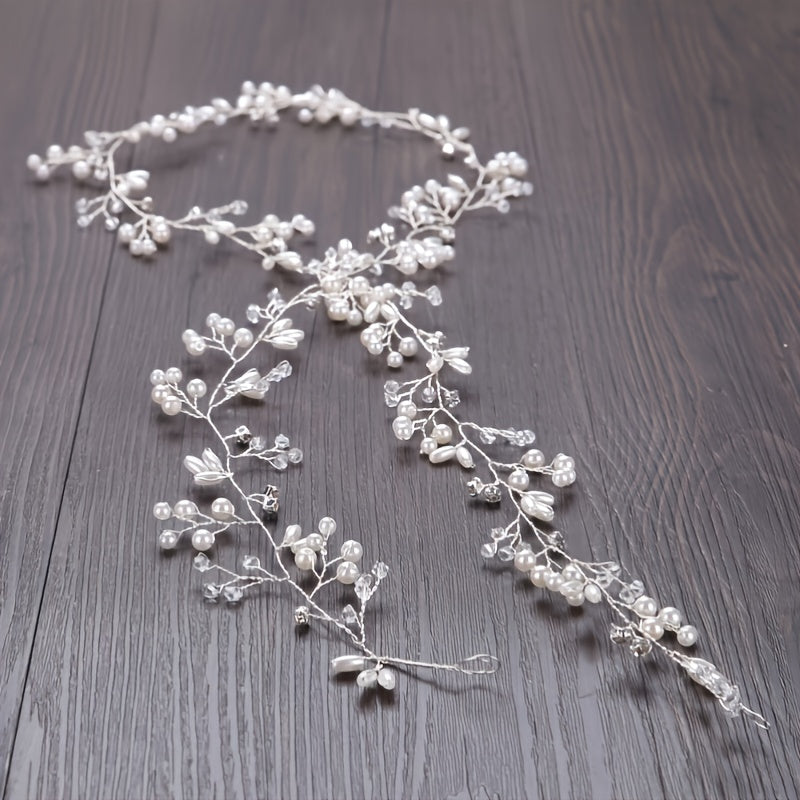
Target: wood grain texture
640,311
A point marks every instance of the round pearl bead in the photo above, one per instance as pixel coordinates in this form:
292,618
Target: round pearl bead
327,526
403,428
564,478
442,433
518,480
533,459
652,627
347,572
243,337
687,635
212,319
171,406
185,508
160,393
592,593
525,560
670,618
645,606
554,581
226,327
406,409
202,539
125,233
427,446
196,347
81,170
354,317
162,511
305,558
572,573
315,542
157,376
538,575
408,346
394,359
575,599
168,540
196,388
222,508
161,233
352,551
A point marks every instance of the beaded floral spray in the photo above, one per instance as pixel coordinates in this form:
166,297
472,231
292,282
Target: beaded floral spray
347,282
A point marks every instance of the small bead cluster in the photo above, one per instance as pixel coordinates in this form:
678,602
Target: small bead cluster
350,285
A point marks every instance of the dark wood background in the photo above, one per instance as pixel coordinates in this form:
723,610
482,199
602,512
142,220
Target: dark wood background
640,311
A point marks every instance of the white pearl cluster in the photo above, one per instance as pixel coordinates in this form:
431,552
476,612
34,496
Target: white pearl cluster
654,621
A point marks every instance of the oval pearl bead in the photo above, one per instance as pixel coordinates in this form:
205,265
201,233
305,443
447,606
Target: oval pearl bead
525,560
367,679
386,678
202,539
352,551
305,558
162,511
670,618
343,664
427,446
347,572
442,454
327,526
292,534
592,593
652,627
575,599
645,606
465,457
538,575
687,635
533,459
518,480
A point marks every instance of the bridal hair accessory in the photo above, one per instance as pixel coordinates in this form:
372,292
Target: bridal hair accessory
500,462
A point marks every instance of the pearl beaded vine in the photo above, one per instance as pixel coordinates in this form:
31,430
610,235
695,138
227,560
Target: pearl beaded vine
346,281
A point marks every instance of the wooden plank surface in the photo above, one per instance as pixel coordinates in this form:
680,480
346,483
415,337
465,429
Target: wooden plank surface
640,311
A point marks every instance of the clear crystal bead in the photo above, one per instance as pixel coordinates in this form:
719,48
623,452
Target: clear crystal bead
349,615
251,562
488,549
363,587
429,394
295,455
498,533
633,590
210,591
640,647
258,443
233,594
301,615
491,493
380,570
506,553
253,313
434,295
487,436
282,442
201,562
280,461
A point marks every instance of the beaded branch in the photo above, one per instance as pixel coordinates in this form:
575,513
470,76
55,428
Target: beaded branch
347,283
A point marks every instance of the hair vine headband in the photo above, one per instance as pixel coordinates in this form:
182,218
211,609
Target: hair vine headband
346,281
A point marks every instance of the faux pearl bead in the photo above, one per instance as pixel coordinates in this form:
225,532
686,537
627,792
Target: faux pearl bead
652,627
171,406
533,459
403,428
518,480
161,233
202,539
427,446
243,337
125,233
442,433
554,581
354,317
352,551
538,575
168,540
222,508
160,393
645,606
157,376
670,618
687,635
347,572
292,534
305,558
572,573
185,508
196,347
408,347
592,593
81,170
196,388
394,359
406,409
315,542
575,599
565,478
369,677
525,560
162,511
327,526
226,327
